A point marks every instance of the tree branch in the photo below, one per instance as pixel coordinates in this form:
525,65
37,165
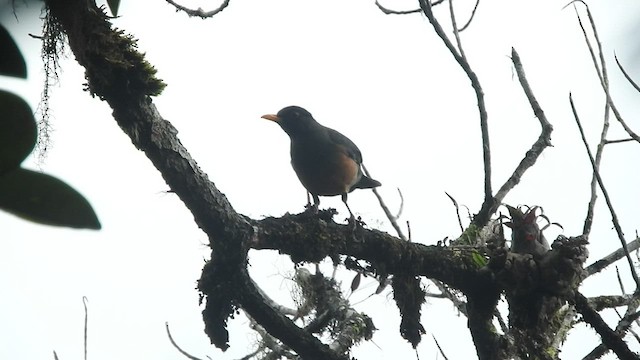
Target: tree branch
488,206
633,83
396,12
602,80
609,337
599,265
614,217
199,12
543,141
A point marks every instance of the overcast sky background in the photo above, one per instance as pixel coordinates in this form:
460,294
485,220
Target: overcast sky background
385,81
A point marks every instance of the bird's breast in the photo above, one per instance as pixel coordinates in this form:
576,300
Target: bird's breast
324,168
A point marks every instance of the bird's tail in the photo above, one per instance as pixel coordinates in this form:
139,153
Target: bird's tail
365,181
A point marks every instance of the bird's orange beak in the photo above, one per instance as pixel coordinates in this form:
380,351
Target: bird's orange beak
271,117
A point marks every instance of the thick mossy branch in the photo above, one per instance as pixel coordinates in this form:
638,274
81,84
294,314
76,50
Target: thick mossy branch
307,237
409,297
217,289
537,289
110,57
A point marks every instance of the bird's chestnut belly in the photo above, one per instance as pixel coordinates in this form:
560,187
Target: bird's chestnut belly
325,173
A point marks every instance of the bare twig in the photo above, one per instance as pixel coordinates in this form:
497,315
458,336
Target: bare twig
166,325
86,324
620,281
199,12
473,13
604,79
454,26
503,325
403,12
543,141
268,342
457,302
399,213
387,212
488,207
614,217
439,348
611,258
633,83
396,12
618,141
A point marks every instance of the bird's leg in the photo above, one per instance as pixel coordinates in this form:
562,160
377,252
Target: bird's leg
308,200
316,203
344,200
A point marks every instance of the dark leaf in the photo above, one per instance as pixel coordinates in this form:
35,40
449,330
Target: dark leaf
44,199
17,131
11,62
355,283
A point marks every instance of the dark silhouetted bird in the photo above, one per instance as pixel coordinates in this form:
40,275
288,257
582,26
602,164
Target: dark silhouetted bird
326,162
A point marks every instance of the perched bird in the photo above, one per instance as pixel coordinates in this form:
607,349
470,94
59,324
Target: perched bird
526,236
326,162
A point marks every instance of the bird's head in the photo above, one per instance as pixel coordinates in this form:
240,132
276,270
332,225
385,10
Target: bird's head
294,120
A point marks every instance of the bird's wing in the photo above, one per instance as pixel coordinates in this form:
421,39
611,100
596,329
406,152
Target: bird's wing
350,148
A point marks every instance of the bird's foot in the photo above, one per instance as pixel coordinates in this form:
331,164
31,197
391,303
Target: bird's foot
312,208
355,223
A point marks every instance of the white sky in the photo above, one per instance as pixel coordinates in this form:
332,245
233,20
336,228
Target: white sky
387,82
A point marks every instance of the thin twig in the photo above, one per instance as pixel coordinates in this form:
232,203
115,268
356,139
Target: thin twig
503,325
473,13
166,325
399,213
396,12
629,79
199,12
387,212
86,323
614,217
459,304
602,82
604,79
620,281
456,34
439,348
618,141
488,207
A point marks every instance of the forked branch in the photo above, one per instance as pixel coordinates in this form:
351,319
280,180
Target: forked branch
488,207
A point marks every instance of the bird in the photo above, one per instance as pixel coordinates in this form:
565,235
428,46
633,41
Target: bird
526,236
327,163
